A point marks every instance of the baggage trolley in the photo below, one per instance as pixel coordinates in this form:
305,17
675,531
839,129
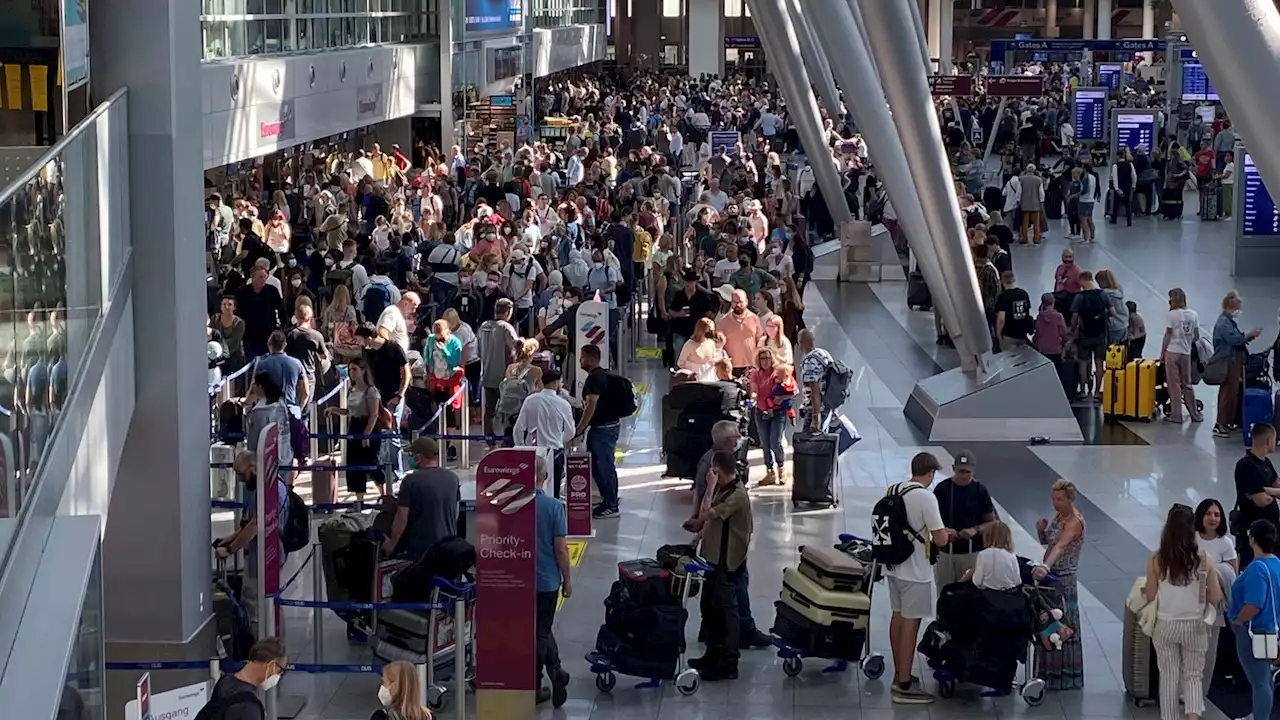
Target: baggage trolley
444,595
686,678
871,664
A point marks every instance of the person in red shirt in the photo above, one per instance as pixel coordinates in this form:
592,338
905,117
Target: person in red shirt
399,159
1204,162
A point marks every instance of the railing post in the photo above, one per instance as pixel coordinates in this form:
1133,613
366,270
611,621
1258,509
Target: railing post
464,453
423,686
461,644
267,621
342,430
317,593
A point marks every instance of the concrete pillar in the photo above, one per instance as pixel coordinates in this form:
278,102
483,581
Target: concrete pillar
1234,35
946,35
706,26
622,32
1104,19
446,76
646,33
934,29
814,61
1051,18
916,18
837,34
155,555
907,91
1090,20
779,39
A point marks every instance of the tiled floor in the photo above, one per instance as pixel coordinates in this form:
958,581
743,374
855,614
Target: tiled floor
1125,493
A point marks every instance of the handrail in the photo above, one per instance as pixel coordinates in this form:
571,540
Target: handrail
59,147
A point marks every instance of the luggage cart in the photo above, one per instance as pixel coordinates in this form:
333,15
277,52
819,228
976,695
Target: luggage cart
445,596
871,664
686,678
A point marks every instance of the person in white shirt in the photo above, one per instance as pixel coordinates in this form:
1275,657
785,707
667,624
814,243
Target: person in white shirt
576,168
359,276
363,167
546,422
768,124
392,324
996,567
1228,177
911,594
806,181
1181,331
1212,536
716,197
726,266
524,276
677,144
1013,201
1067,135
381,236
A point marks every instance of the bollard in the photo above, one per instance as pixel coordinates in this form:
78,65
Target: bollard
464,455
461,644
267,622
317,592
442,428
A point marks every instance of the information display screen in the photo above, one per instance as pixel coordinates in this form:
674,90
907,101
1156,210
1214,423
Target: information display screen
1109,74
494,16
1090,113
1134,129
1195,83
1260,216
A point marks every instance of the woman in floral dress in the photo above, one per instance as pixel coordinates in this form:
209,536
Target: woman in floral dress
1062,537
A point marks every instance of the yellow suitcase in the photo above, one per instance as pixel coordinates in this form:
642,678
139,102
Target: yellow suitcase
1113,393
1140,390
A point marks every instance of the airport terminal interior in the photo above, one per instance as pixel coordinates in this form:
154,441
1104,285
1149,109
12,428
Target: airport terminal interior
107,609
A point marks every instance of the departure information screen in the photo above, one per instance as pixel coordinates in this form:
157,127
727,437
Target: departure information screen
1195,83
1109,74
1090,113
1135,129
1260,216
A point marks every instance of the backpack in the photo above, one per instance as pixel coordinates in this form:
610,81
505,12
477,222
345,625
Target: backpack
376,299
336,276
217,709
621,401
1093,315
837,377
295,534
511,394
892,537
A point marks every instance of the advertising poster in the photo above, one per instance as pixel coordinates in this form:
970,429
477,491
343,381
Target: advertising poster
492,17
369,102
75,43
506,520
577,496
592,328
268,513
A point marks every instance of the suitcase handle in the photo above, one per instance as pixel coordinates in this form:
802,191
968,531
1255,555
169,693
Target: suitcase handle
798,597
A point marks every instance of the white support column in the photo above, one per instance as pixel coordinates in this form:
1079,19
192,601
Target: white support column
706,34
1104,19
1148,27
779,39
946,36
1090,21
934,29
1051,18
446,74
814,61
837,34
889,26
920,32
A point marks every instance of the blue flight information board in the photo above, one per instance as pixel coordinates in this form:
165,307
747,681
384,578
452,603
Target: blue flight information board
493,16
1260,216
1109,74
1195,83
1090,113
1135,129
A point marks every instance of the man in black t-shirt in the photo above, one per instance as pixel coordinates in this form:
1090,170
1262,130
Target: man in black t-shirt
1013,314
601,429
966,508
1257,488
387,363
306,344
687,307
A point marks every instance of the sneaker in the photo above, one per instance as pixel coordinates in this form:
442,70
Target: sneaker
912,694
559,687
604,513
1221,431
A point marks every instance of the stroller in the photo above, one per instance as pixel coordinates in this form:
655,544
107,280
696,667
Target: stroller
980,636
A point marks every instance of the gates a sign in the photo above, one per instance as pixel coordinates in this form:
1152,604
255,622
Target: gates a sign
1015,85
953,85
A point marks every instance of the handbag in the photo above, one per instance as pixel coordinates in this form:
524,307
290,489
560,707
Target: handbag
1210,616
1264,644
1216,371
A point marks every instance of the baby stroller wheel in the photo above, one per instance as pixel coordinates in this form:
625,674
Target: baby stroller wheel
1199,405
792,666
947,688
606,681
687,682
873,667
1033,692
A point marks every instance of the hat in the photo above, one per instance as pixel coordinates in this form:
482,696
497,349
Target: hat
725,292
425,446
965,460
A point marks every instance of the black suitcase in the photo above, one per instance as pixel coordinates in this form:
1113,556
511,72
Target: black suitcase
992,198
647,662
646,582
918,295
705,398
814,464
838,642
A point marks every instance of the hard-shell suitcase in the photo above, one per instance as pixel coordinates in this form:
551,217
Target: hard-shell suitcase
814,465
833,569
324,487
1114,389
918,295
823,606
335,535
1138,662
836,642
1256,408
1140,390
406,629
222,480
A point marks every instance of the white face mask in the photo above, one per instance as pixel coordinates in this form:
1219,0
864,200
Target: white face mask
384,695
269,683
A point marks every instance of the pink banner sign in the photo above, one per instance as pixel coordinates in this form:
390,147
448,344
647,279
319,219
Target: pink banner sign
577,495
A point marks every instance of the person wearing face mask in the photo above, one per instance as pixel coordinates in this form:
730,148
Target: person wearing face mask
524,276
604,280
778,261
444,261
426,505
492,294
469,300
400,694
751,279
245,537
235,697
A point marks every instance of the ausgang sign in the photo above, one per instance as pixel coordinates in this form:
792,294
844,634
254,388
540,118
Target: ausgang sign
953,85
1015,85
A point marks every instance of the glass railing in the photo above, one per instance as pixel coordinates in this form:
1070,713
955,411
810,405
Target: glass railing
63,241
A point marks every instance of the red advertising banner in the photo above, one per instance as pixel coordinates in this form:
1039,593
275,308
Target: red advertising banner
577,496
1015,85
953,85
506,536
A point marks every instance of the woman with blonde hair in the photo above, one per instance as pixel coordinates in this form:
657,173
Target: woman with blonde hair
996,567
1118,322
700,352
1181,332
400,694
527,379
470,352
1063,538
775,340
277,233
280,204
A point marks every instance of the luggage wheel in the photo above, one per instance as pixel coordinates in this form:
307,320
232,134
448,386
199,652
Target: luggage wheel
1033,692
792,666
873,666
687,682
947,688
605,682
437,697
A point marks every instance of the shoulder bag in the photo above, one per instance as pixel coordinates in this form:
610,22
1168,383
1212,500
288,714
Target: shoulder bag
1264,644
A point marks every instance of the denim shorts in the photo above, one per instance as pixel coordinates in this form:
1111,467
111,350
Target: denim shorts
1086,209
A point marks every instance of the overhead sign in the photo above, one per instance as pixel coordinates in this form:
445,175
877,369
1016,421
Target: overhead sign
493,17
741,41
1015,85
1195,83
726,139
952,85
1134,128
1073,45
183,703
1110,74
1259,216
1090,113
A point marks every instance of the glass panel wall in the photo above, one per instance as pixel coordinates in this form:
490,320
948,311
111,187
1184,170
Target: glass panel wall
83,694
243,28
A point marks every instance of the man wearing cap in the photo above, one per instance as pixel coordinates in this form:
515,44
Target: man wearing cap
966,507
427,504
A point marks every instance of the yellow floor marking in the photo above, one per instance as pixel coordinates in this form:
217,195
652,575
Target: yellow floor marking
641,387
577,548
648,353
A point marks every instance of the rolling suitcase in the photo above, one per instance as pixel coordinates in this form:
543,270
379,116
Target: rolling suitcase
1114,389
1140,390
335,536
833,569
918,295
838,642
822,606
405,629
814,465
1256,408
1138,664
